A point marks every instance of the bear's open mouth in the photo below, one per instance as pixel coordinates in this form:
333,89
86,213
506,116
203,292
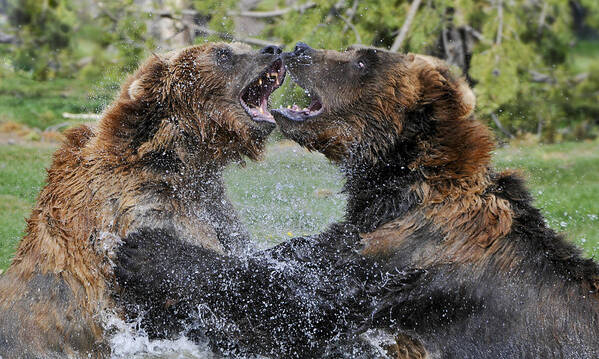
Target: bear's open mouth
254,98
297,113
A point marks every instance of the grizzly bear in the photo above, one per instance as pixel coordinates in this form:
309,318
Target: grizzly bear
496,282
155,160
454,260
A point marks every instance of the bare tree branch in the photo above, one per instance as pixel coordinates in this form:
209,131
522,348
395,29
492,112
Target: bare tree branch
230,37
178,31
500,126
351,12
77,116
445,42
169,14
581,77
117,17
540,77
542,18
274,13
348,23
207,31
106,12
188,22
403,32
476,34
7,39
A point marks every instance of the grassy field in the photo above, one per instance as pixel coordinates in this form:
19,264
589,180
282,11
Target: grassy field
294,192
564,179
41,104
583,55
21,177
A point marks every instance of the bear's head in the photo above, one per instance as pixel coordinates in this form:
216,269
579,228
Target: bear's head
203,103
370,106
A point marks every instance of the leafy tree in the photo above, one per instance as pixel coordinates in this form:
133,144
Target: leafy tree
64,37
518,54
44,29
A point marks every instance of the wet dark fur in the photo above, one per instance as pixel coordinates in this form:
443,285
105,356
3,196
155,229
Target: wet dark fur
154,160
497,282
462,264
544,305
271,303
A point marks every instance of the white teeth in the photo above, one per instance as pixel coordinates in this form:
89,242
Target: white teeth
259,81
288,107
261,110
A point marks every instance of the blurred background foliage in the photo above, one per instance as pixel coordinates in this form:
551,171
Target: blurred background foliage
534,64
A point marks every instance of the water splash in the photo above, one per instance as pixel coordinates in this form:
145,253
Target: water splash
127,341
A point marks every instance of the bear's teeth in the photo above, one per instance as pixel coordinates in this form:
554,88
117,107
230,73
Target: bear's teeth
259,81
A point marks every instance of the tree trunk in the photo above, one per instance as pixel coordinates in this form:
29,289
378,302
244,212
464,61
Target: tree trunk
403,32
455,45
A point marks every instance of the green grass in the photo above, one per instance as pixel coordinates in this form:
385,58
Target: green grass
564,179
294,193
583,55
291,193
21,178
40,104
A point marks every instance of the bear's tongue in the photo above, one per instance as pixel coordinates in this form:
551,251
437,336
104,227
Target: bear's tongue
262,110
312,109
297,113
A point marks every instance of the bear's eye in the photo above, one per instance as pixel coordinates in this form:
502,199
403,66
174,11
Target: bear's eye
224,57
360,65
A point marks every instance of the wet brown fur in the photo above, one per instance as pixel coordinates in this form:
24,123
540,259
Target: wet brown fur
154,160
421,187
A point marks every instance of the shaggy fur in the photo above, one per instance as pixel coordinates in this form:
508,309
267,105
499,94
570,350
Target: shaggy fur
282,303
454,260
497,282
155,160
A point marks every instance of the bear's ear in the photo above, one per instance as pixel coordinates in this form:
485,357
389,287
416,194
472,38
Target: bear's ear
440,85
146,79
135,89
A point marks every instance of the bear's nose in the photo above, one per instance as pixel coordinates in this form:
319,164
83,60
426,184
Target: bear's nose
301,48
271,49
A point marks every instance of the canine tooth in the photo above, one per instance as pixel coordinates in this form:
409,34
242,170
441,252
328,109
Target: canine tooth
259,81
261,110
